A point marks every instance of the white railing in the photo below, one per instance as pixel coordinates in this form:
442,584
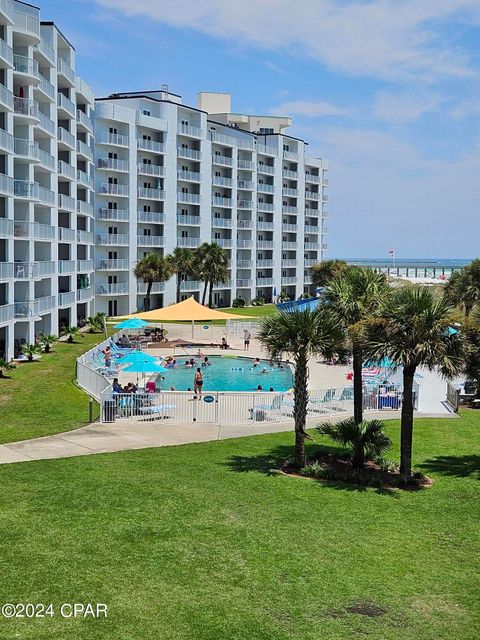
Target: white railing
157,287
113,214
225,161
113,189
188,242
66,137
119,239
113,164
265,188
66,169
264,282
290,228
109,289
47,303
45,123
65,69
26,148
105,137
266,149
151,169
191,176
265,226
245,185
187,130
244,244
290,155
84,119
289,280
83,178
151,241
84,294
46,49
7,185
66,266
289,209
245,224
293,193
192,198
6,96
222,181
265,168
226,243
189,220
265,206
7,313
66,104
6,7
293,175
222,223
111,265
155,217
310,177
264,244
65,234
84,237
244,283
22,64
311,195
84,265
185,152
66,299
84,150
265,264
84,208
24,107
190,285
26,23
245,164
66,203
150,145
244,264
151,194
244,204
46,196
222,202
7,141
6,270
222,139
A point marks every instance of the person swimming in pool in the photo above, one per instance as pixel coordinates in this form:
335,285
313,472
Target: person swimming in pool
256,362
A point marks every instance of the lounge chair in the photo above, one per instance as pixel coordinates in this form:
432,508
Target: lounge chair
267,412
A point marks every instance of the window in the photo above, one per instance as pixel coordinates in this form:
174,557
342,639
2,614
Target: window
112,155
112,230
146,112
266,130
184,234
147,232
112,130
112,205
217,235
112,308
147,161
147,207
112,180
112,279
112,255
185,122
146,137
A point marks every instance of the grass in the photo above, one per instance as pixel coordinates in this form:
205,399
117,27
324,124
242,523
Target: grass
40,398
200,542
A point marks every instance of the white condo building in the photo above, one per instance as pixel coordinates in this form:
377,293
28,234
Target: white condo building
171,175
46,184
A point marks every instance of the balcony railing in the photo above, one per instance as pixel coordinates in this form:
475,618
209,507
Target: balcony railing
310,228
27,66
66,203
189,285
27,23
244,264
222,181
33,230
66,137
6,8
46,124
6,97
289,263
244,244
84,294
113,239
266,149
265,188
151,169
287,244
290,155
26,309
110,289
265,168
292,175
66,104
111,265
245,144
188,242
84,208
47,50
67,298
6,227
24,107
6,185
84,119
150,241
6,270
244,283
264,244
289,209
309,262
66,266
46,196
290,228
66,170
224,161
222,139
151,194
187,130
113,189
120,215
83,178
245,224
84,265
25,189
245,164
84,150
150,145
264,282
191,176
226,243
244,204
292,193
46,159
117,139
66,70
264,264
289,280
192,198
155,217
7,313
192,154
112,164
84,237
265,206
225,223
26,148
7,141
65,234
222,202
189,220
157,287
264,226
30,270
310,177
311,195
245,185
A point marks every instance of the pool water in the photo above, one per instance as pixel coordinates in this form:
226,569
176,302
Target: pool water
228,374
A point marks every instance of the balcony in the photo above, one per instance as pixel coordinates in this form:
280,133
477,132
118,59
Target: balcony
24,189
222,202
311,195
25,310
222,181
289,228
150,145
66,138
47,51
265,206
265,244
7,186
64,69
191,154
6,228
245,224
113,189
66,203
244,204
84,265
264,264
289,245
85,208
264,282
67,298
26,109
46,196
265,226
157,287
112,164
245,185
292,193
311,212
189,176
66,170
266,149
117,288
245,283
269,169
83,179
222,139
311,246
84,294
292,175
290,155
46,124
7,313
289,209
224,161
6,270
187,130
265,188
84,237
219,223
33,270
84,150
324,197
189,220
154,217
112,265
84,120
27,24
309,262
245,144
146,169
189,242
310,177
120,215
65,234
113,239
46,160
116,139
66,266
6,97
189,285
66,105
148,193
289,280
27,68
223,285
289,263
151,241
191,198
244,264
245,164
7,141
310,228
26,149
244,244
46,87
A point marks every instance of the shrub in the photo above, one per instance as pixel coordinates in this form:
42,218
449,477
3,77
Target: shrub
387,465
315,469
46,341
239,303
259,301
5,366
30,350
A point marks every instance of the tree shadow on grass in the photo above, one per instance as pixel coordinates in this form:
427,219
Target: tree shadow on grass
456,466
271,462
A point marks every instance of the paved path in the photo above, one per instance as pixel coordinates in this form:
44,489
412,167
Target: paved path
123,436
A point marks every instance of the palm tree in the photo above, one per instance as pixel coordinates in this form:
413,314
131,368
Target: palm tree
97,321
46,340
301,334
5,366
30,350
325,271
181,263
354,297
72,332
413,331
463,288
367,439
152,268
211,263
471,331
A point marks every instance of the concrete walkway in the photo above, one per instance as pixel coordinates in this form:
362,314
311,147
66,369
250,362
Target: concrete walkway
124,436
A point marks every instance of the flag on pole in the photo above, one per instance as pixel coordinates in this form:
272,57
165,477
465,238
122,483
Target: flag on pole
391,252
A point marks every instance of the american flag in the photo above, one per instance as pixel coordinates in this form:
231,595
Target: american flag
391,252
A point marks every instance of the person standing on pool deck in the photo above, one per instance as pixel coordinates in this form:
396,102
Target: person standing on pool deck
198,382
246,339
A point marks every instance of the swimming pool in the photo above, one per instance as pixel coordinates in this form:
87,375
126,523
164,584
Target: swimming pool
228,374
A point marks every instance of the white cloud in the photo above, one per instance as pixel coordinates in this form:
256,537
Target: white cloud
404,107
466,108
386,39
310,109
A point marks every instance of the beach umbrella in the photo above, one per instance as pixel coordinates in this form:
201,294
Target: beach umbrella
131,323
137,356
144,368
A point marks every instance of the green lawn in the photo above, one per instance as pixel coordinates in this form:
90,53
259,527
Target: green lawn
200,543
40,397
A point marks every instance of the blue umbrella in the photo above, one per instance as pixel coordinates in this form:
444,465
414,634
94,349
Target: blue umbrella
131,323
145,367
137,356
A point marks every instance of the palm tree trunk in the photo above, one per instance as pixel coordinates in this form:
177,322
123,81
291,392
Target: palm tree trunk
147,295
204,291
406,426
357,384
358,457
210,294
300,407
179,283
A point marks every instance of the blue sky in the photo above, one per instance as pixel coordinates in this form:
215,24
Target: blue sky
388,90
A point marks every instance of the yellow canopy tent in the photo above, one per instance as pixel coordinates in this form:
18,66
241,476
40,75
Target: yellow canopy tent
188,310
